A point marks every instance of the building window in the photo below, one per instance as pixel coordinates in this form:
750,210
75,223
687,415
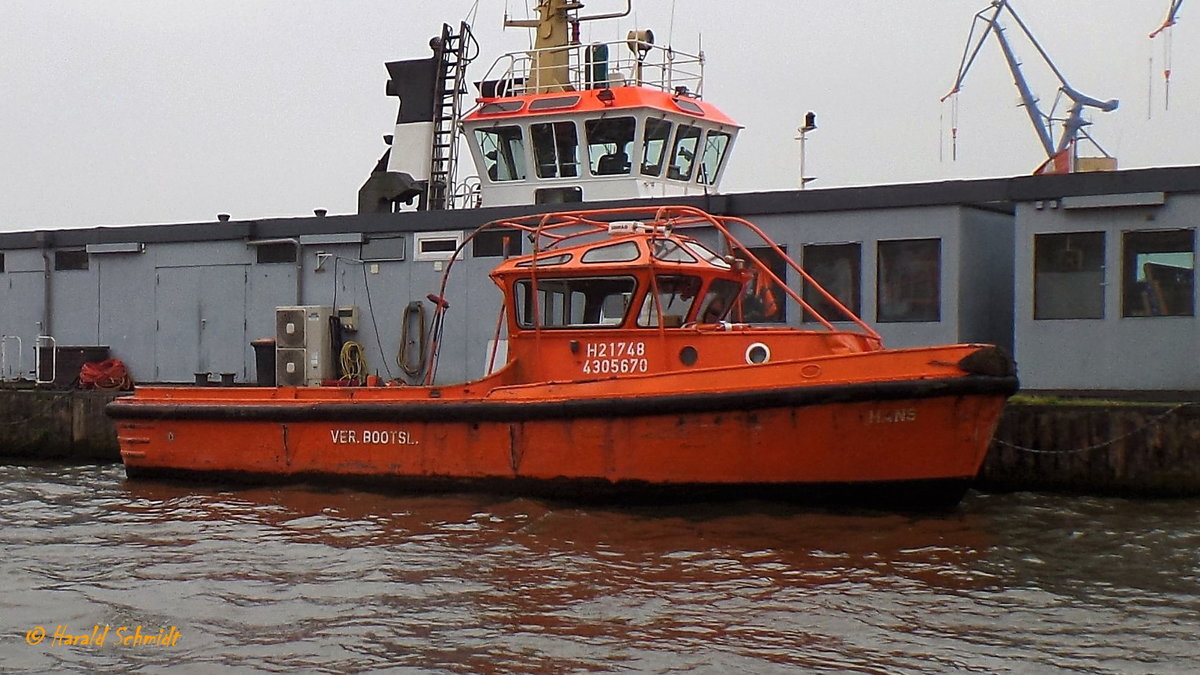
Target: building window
1158,272
909,280
283,252
838,269
503,150
556,147
497,244
1,261
1068,276
763,300
71,260
384,248
608,144
436,245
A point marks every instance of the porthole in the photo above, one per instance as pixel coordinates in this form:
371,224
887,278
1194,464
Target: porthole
688,356
758,353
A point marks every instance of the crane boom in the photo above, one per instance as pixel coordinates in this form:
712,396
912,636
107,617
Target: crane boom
1170,20
1072,125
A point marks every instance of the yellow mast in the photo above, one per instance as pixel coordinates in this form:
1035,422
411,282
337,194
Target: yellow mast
550,70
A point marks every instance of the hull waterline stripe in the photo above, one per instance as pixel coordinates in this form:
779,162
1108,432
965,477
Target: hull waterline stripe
523,411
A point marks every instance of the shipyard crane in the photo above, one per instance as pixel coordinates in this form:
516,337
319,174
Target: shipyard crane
1170,21
1165,27
1061,155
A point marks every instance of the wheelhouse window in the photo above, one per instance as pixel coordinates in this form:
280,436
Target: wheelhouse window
838,269
668,250
626,251
608,145
503,150
1068,276
655,141
763,300
1158,273
715,144
718,299
556,147
909,280
671,297
683,155
587,302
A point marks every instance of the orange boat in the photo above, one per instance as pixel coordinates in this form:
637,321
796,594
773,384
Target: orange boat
628,372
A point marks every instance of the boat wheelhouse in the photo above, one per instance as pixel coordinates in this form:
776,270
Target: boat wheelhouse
571,122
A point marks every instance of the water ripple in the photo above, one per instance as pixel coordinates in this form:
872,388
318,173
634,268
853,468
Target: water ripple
298,579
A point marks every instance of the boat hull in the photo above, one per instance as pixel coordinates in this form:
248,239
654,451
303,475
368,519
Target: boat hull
915,442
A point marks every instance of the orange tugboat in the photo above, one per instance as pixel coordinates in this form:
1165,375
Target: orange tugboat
628,372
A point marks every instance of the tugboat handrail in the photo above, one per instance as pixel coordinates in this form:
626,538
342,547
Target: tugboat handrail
633,62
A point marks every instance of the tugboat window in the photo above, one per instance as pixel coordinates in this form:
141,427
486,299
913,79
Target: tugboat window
654,146
556,147
838,269
503,150
721,295
1158,273
909,280
1,261
626,251
608,145
674,294
1068,276
574,303
670,251
707,255
683,157
714,151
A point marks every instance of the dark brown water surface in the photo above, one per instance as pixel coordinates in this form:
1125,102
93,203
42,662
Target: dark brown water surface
306,580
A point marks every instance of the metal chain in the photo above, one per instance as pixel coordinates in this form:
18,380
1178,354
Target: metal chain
1097,446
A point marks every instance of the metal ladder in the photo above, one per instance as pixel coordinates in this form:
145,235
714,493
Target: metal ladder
454,53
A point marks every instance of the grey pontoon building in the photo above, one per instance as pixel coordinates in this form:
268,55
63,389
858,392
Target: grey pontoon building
1087,278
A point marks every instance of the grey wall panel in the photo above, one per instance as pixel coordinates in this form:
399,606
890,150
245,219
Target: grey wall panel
75,306
1115,352
985,278
126,309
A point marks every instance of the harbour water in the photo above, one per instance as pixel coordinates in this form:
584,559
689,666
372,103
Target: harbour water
196,578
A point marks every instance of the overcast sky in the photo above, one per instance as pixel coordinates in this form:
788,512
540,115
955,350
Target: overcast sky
118,112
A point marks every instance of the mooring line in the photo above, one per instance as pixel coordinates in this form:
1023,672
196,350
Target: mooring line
1153,422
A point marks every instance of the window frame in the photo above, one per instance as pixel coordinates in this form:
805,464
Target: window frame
883,299
1153,298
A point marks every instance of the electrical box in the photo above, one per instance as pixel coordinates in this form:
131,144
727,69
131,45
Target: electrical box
348,316
302,345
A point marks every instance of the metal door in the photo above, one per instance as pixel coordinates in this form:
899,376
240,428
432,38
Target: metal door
200,314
